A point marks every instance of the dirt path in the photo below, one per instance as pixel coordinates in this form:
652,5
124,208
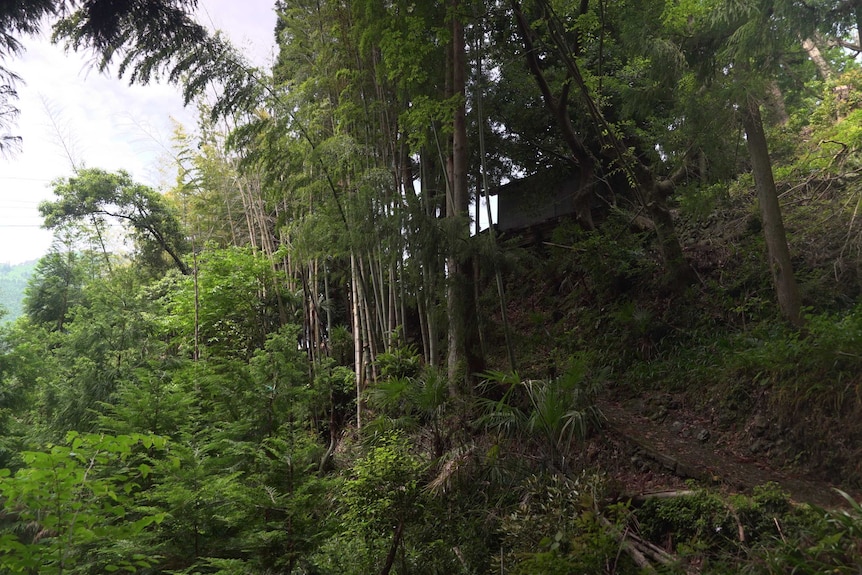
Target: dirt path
706,462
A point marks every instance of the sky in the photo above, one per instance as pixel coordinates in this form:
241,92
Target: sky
71,115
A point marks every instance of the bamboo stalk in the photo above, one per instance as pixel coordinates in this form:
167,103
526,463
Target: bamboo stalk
423,325
357,338
501,292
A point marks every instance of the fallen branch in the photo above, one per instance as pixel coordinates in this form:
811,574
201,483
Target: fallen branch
642,552
739,527
642,498
654,551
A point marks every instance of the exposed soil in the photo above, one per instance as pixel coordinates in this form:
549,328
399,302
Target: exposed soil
648,455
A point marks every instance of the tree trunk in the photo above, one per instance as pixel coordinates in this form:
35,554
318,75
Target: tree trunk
776,101
813,51
770,212
393,548
654,197
464,356
456,206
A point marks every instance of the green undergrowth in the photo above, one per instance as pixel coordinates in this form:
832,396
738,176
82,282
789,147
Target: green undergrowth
568,524
807,383
557,528
764,533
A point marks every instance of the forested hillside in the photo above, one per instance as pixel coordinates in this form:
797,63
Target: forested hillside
313,361
13,282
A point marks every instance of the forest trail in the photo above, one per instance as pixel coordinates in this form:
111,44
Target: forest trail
709,462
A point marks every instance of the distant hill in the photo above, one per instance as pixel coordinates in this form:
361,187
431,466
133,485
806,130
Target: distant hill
13,282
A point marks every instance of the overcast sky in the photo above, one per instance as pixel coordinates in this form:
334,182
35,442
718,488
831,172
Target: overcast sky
69,109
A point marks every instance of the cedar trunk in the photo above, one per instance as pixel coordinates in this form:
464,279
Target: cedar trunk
464,355
770,212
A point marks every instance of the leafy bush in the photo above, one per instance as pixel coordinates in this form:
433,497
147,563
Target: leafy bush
827,542
555,529
377,501
76,497
399,362
551,415
701,520
761,534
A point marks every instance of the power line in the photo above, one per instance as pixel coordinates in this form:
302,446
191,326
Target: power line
26,179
